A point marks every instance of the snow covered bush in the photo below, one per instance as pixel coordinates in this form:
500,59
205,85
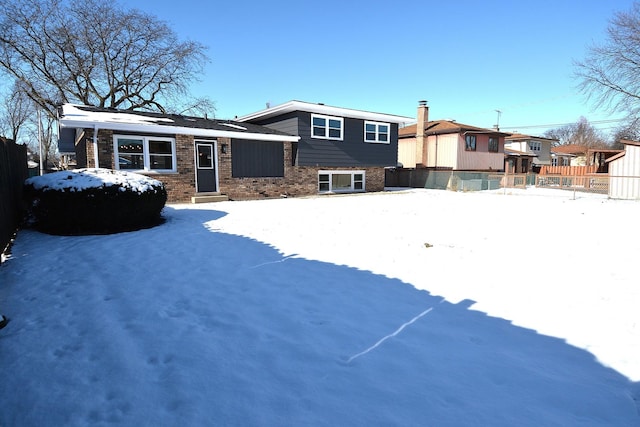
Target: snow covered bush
93,201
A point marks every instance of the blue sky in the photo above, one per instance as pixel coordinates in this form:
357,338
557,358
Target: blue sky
467,58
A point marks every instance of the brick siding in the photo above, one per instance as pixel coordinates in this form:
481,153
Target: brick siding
297,180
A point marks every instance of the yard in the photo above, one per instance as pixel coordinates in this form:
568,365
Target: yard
407,308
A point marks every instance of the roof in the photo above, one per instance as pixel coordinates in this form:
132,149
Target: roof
523,137
577,149
292,106
445,126
570,149
629,142
81,116
516,153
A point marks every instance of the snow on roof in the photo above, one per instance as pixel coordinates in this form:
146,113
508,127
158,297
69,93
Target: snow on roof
81,179
82,117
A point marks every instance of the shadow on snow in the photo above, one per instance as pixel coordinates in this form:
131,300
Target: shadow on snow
183,325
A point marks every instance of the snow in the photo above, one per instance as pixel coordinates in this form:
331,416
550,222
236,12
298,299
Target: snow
81,179
79,113
408,308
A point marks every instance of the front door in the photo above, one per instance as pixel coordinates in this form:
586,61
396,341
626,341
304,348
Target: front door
205,168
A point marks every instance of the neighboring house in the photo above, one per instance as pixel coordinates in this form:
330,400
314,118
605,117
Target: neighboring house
581,155
538,146
518,161
446,144
340,149
624,172
198,158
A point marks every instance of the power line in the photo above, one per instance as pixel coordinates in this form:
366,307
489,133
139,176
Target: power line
556,125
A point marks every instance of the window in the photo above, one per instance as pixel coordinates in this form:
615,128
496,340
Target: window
145,153
493,144
340,181
470,142
535,145
326,127
376,132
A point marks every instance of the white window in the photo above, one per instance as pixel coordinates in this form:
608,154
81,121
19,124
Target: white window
535,145
144,153
376,132
326,127
340,181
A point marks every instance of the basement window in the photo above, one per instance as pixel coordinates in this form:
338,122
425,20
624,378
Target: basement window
341,181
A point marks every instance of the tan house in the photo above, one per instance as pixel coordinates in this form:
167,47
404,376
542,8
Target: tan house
447,144
536,147
581,155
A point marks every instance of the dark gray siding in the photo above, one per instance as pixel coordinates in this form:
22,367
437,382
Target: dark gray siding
352,151
256,159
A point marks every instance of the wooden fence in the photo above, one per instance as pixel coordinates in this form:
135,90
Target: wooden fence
568,170
13,172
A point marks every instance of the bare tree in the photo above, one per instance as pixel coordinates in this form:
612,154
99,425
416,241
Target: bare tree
610,74
581,133
16,110
95,53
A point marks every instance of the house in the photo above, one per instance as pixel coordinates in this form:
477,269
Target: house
340,149
199,159
518,161
595,158
538,146
446,144
624,172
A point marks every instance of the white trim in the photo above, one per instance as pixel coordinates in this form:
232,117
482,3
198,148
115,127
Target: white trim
352,189
146,155
327,128
377,132
209,144
292,106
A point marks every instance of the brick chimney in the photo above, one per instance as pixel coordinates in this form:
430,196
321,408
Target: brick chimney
421,149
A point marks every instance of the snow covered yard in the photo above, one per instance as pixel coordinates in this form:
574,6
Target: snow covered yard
405,308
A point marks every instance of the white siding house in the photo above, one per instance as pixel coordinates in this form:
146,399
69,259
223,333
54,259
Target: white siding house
624,172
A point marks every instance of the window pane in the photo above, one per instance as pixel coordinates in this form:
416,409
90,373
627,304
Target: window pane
205,157
370,127
129,146
323,177
383,137
324,186
371,136
319,132
161,162
383,129
357,185
334,124
130,161
160,147
319,121
341,181
357,177
334,133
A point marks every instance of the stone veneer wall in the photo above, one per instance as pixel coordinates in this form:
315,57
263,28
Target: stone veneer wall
298,180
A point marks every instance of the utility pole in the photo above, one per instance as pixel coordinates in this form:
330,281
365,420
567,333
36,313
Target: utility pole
497,125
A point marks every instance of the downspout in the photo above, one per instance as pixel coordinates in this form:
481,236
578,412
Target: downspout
95,146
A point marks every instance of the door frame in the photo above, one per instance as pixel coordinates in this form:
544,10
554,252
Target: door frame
214,148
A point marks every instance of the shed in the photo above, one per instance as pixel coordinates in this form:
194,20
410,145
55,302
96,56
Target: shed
624,172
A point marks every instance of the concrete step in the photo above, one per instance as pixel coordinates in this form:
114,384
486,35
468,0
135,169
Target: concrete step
209,198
